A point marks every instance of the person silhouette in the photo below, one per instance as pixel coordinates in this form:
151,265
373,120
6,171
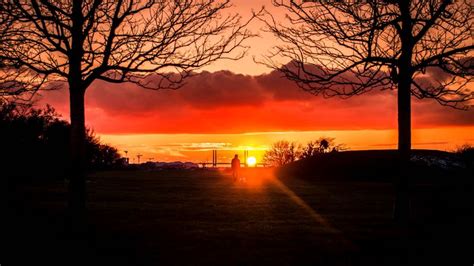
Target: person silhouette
235,164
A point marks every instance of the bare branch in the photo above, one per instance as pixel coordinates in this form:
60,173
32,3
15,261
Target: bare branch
345,48
118,41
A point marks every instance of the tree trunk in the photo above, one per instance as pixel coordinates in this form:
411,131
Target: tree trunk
77,185
401,210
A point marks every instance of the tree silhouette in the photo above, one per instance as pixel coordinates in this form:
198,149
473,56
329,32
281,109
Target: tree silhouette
154,44
422,48
319,146
323,145
281,153
38,138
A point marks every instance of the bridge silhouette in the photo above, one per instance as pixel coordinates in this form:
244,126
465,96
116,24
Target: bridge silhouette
215,163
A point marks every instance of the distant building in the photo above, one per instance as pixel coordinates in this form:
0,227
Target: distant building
170,165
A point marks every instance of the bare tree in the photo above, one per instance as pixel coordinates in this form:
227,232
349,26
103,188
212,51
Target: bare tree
281,153
153,43
422,48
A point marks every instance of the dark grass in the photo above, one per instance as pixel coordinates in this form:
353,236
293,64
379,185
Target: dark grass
202,218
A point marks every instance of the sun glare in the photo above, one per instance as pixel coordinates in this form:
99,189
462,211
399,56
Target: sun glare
251,161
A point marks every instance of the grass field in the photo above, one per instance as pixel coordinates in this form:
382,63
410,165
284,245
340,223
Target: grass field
202,217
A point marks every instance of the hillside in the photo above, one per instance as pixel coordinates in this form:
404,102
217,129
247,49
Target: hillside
375,165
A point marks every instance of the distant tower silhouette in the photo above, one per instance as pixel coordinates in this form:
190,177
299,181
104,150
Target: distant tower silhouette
138,158
214,158
246,155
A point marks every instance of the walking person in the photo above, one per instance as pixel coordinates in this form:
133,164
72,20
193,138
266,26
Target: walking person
235,164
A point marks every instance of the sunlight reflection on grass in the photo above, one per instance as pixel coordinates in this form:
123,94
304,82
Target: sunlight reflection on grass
257,180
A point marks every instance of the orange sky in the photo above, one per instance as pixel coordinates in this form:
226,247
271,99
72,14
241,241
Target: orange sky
223,106
261,44
197,147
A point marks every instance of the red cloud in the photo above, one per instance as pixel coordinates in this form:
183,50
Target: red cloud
224,102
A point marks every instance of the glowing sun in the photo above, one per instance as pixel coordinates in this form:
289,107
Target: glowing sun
251,161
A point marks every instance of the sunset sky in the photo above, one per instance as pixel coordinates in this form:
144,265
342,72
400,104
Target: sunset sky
237,105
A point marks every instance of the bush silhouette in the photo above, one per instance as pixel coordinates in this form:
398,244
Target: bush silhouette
35,143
